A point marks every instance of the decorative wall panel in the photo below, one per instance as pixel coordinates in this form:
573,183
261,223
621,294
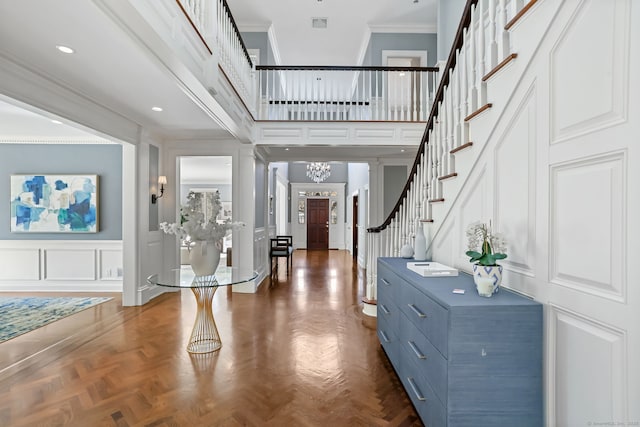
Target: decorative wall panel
70,264
20,264
588,226
589,369
320,133
589,67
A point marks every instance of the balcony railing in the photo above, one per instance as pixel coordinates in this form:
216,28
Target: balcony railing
233,55
295,93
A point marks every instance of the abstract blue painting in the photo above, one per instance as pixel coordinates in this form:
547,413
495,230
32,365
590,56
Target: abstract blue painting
54,203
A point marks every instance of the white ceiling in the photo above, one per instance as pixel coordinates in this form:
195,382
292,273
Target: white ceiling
109,66
349,23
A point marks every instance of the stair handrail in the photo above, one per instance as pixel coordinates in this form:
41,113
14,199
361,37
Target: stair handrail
458,42
237,32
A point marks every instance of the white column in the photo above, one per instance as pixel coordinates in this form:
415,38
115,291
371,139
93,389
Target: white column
244,210
130,244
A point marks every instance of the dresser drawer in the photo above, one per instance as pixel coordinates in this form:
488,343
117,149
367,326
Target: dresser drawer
427,315
428,406
388,284
389,341
389,313
424,357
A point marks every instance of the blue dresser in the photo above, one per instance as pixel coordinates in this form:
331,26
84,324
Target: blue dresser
464,360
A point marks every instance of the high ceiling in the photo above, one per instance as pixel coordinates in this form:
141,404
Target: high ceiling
113,69
348,25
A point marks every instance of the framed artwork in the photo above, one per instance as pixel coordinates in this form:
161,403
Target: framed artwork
54,203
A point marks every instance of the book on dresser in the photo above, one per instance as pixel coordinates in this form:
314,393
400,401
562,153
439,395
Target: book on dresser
464,360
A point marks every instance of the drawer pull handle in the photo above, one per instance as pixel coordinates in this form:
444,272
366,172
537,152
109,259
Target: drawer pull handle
416,311
384,309
384,336
385,282
415,389
416,350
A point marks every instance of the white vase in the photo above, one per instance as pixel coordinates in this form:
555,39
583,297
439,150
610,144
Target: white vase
482,274
420,246
204,257
406,251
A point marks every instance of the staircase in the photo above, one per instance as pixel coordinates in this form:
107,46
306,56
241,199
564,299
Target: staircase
467,105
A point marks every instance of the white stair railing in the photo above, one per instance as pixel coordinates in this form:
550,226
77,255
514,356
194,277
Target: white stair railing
481,43
233,55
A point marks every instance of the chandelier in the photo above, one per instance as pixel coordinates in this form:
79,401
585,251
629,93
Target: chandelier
318,171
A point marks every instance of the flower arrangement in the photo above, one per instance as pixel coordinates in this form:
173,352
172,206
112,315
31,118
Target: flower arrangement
485,247
194,227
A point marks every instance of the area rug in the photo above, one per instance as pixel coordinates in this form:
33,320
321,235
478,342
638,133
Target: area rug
21,315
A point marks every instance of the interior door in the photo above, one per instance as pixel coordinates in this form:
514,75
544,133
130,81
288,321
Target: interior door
354,231
318,224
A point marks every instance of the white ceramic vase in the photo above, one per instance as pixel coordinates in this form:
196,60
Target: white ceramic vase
406,251
420,246
204,257
485,276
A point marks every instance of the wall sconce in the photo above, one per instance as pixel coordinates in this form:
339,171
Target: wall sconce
162,180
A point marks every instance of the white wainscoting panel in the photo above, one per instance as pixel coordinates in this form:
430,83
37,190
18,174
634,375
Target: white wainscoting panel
588,226
384,134
110,264
20,264
70,264
588,364
61,265
327,133
515,188
589,90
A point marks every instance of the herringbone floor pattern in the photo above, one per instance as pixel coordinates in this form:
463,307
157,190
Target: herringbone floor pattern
297,353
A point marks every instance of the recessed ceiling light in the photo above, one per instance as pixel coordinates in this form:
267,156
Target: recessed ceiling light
64,49
286,149
402,150
158,109
57,122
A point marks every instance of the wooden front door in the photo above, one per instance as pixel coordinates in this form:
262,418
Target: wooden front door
318,224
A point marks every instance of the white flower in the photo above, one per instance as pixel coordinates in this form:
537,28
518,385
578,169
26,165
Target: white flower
485,247
193,225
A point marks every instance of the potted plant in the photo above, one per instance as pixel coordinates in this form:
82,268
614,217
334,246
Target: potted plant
485,248
203,237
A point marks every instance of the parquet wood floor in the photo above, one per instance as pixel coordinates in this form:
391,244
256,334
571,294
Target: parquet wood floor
297,353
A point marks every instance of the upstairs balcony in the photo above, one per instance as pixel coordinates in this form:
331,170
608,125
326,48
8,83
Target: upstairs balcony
271,104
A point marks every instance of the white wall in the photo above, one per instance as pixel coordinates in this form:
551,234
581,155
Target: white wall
558,176
358,181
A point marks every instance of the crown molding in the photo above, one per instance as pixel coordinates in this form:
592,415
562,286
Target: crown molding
404,29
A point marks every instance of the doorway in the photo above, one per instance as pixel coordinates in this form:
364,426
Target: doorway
318,224
354,231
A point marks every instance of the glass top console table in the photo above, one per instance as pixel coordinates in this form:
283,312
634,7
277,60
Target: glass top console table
204,336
